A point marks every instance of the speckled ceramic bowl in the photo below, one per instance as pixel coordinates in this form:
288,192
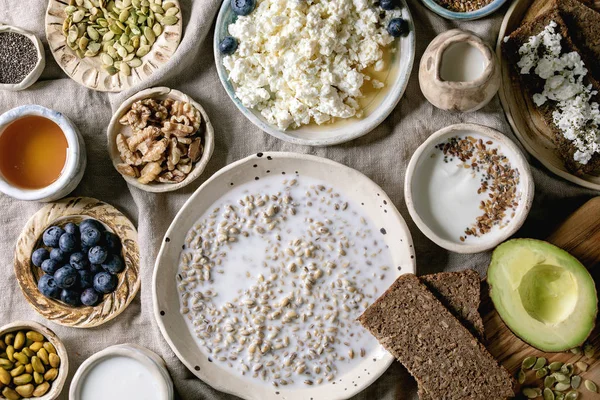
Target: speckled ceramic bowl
375,112
74,165
35,73
463,16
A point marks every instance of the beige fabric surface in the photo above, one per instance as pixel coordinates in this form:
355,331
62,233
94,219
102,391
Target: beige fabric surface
382,155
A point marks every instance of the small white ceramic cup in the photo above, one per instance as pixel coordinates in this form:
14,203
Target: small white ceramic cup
35,73
147,358
414,201
74,165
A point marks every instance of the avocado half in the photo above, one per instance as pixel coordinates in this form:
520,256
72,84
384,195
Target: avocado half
543,294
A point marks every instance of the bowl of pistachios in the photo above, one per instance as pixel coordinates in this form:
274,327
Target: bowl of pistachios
112,45
33,362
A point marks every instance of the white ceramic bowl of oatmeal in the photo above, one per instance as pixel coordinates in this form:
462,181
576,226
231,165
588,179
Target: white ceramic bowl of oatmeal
468,188
347,203
375,106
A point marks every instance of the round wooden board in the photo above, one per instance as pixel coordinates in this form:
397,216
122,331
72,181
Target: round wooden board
89,72
526,122
75,209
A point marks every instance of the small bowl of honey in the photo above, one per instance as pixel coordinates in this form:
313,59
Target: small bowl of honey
42,155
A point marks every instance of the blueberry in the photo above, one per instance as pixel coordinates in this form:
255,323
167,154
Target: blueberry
52,235
112,242
90,223
39,256
388,4
97,255
95,268
58,255
50,266
113,264
243,7
71,297
66,277
90,297
48,287
86,279
79,260
397,27
68,242
72,228
90,237
105,282
228,45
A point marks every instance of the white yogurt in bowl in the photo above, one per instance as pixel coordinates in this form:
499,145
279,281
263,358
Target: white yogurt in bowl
468,188
122,372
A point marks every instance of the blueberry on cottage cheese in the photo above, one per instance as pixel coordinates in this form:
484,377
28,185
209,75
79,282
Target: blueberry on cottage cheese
66,277
39,256
105,282
71,228
90,236
90,297
112,242
47,286
228,45
388,4
86,279
79,260
68,242
397,27
70,297
97,255
58,255
50,266
243,7
113,264
91,223
52,235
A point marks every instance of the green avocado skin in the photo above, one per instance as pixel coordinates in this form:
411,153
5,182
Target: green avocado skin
543,294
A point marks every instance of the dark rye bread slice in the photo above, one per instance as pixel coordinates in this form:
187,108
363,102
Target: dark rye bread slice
534,84
446,360
460,293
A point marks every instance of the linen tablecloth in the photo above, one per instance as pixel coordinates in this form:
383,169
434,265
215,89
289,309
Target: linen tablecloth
382,155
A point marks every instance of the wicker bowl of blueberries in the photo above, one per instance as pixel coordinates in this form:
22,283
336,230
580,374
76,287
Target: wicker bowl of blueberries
77,262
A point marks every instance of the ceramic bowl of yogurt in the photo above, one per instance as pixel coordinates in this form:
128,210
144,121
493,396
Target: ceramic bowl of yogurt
126,371
381,89
468,188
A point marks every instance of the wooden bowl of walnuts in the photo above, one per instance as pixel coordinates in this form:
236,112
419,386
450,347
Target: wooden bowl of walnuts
34,362
160,140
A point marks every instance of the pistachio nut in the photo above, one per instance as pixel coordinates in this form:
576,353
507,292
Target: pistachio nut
10,351
9,338
17,371
36,346
37,365
41,389
28,352
44,356
35,336
25,390
54,360
38,378
19,340
5,377
49,347
6,364
22,379
51,374
22,358
10,394
29,368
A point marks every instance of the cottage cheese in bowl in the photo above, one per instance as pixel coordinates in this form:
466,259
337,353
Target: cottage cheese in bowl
315,63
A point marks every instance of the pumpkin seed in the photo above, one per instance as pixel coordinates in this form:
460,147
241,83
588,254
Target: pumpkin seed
562,378
171,12
561,387
548,394
78,16
135,62
576,350
572,395
532,393
581,366
25,390
142,51
157,29
588,350
41,389
540,363
542,372
17,371
125,69
110,69
591,386
521,377
10,394
168,5
575,381
22,379
567,369
549,381
19,340
555,366
170,20
528,362
559,395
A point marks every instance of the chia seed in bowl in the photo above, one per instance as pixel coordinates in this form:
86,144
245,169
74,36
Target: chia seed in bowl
18,57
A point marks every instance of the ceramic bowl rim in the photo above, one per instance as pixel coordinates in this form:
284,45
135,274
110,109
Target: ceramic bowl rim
463,16
73,151
63,369
516,156
353,131
199,167
37,70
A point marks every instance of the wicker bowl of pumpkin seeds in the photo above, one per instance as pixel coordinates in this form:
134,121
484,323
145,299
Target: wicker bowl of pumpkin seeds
111,45
33,362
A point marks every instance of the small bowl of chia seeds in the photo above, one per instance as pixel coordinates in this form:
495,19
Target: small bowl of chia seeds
463,10
22,58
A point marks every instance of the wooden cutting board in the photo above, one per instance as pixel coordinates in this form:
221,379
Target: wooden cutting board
580,236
